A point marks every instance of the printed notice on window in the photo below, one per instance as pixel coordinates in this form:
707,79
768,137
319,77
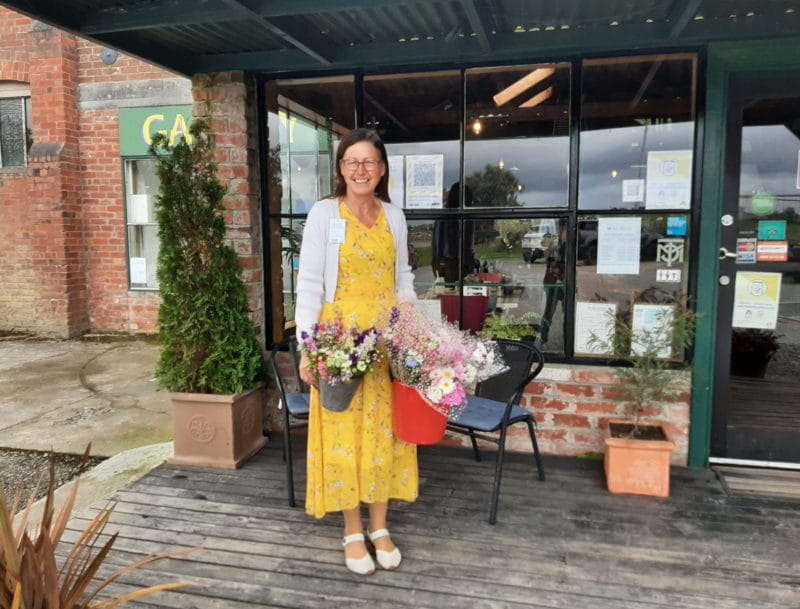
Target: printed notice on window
669,179
424,181
396,189
618,245
138,209
756,299
138,270
593,318
651,329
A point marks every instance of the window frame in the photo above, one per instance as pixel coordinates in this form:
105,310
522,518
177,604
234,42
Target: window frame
570,213
22,92
125,181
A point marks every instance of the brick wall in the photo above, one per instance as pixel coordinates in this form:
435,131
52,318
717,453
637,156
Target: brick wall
227,101
572,406
62,228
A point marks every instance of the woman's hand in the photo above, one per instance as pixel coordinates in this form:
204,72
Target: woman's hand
305,374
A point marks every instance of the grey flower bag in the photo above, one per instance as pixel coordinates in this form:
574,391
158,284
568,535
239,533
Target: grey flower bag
337,398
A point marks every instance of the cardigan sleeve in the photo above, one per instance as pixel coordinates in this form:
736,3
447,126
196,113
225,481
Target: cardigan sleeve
310,275
405,278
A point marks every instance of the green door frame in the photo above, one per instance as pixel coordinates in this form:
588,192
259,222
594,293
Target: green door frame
724,59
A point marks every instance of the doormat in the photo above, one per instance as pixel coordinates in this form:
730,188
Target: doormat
760,482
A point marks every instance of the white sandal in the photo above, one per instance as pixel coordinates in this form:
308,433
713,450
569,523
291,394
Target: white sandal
387,560
363,565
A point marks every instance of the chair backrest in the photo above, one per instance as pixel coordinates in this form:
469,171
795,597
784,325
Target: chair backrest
288,377
524,362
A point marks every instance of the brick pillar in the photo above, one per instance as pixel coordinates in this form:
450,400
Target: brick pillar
46,254
227,100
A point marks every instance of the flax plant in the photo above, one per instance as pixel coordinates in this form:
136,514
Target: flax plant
30,574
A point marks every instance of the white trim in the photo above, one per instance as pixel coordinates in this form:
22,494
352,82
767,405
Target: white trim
753,463
12,88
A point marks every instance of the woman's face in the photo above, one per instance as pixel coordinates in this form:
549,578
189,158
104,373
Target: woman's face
362,168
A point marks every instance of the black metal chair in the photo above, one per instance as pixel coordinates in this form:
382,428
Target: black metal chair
495,406
294,404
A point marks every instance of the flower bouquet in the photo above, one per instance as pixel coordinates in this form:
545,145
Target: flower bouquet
433,364
340,357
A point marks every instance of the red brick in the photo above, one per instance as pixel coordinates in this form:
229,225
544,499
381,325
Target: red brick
543,403
571,420
595,377
578,390
596,407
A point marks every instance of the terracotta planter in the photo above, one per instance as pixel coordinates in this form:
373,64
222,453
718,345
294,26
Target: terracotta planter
220,431
638,467
415,421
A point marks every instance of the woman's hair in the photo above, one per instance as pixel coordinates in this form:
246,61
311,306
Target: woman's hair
354,137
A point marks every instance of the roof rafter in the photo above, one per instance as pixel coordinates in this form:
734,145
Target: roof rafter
477,24
307,39
680,14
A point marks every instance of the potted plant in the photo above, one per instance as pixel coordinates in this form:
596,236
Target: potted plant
751,351
637,455
211,360
511,327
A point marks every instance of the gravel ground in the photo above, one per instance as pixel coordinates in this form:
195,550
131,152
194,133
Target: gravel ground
23,469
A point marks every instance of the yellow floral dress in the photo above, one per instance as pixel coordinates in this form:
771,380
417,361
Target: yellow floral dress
353,456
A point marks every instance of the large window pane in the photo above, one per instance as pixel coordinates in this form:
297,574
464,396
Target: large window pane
648,266
143,247
516,152
306,120
637,132
12,132
141,188
417,116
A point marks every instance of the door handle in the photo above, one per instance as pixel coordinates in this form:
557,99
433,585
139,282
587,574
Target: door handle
724,253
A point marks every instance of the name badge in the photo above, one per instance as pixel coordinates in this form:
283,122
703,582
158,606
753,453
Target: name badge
337,231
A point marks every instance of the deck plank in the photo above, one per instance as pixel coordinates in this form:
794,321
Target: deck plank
562,543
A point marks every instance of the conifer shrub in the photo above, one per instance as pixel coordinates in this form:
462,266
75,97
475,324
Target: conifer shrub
208,341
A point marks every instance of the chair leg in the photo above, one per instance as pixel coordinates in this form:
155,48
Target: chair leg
287,450
498,474
474,440
536,454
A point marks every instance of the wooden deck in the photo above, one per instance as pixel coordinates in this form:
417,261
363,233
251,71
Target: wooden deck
564,543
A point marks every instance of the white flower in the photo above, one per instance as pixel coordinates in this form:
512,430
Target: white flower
434,394
469,373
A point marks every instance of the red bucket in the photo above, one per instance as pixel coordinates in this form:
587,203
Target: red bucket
414,420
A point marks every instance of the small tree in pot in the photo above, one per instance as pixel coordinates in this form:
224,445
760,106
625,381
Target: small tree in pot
637,457
211,359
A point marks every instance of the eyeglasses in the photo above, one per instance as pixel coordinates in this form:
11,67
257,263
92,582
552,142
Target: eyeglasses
352,165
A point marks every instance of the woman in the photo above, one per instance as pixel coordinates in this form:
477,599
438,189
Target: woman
354,265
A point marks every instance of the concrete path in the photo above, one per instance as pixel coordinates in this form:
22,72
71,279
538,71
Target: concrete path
60,395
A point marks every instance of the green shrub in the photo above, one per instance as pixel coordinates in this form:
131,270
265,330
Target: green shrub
208,341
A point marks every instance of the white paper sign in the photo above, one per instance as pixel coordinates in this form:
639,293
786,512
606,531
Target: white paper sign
396,179
424,181
430,308
632,191
139,209
593,318
669,179
138,270
651,325
618,246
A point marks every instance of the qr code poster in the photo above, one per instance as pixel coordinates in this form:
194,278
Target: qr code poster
632,191
424,180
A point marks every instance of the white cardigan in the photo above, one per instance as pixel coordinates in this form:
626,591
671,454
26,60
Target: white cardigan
319,262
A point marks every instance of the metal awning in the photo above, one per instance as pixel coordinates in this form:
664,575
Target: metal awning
279,36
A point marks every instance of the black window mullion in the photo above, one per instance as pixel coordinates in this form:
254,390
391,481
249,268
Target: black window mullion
572,224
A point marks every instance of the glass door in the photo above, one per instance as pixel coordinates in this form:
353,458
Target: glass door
757,382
